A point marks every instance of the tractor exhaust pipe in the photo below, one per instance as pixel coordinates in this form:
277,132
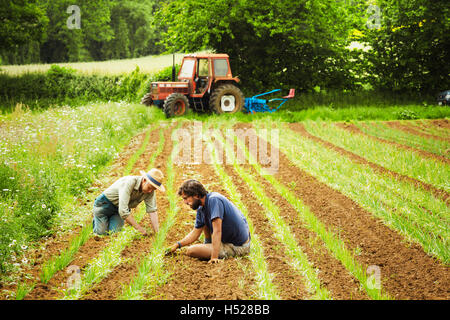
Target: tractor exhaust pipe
173,67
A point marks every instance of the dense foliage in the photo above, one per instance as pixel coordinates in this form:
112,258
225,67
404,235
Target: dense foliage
302,44
410,50
47,31
293,43
61,85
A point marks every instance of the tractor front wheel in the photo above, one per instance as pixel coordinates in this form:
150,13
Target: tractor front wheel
147,99
227,99
176,104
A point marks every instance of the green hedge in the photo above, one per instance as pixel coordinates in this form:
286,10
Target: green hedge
60,85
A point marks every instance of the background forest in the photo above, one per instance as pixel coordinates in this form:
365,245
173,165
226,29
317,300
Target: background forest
393,46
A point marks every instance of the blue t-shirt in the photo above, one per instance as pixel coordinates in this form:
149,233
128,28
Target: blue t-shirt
234,225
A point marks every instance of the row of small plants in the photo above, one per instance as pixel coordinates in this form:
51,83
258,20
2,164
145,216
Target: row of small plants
332,242
400,204
49,160
152,271
405,162
382,130
266,289
99,267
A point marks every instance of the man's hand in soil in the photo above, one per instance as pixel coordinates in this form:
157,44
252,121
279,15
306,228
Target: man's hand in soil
143,232
135,225
171,249
215,261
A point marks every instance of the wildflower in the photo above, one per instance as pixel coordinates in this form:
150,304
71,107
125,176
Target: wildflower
44,206
24,260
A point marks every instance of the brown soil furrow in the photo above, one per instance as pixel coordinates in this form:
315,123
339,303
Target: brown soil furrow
332,273
93,245
289,282
407,272
441,194
194,279
437,124
408,129
110,287
354,129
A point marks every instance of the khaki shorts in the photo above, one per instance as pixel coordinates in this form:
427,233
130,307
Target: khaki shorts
228,250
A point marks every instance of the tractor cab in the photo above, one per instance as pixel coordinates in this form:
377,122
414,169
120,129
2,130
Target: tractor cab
203,71
205,83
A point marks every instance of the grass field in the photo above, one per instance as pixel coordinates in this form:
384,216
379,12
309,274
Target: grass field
337,210
150,64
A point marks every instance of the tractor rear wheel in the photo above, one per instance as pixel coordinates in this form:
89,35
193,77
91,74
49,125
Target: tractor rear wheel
227,98
147,99
176,104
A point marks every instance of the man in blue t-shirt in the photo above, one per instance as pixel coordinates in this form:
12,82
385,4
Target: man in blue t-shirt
225,227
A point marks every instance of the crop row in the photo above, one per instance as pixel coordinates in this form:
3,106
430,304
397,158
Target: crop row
400,204
415,212
404,162
331,241
382,130
110,257
60,261
151,271
427,127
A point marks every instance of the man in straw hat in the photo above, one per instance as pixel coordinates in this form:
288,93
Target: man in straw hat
113,206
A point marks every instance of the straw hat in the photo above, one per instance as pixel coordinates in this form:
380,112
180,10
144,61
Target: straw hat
155,177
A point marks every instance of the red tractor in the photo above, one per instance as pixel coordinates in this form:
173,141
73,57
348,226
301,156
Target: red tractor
204,83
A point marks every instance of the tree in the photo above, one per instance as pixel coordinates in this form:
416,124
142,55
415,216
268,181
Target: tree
22,29
287,43
410,50
72,44
21,22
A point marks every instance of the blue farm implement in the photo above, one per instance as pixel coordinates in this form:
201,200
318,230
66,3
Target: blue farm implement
256,104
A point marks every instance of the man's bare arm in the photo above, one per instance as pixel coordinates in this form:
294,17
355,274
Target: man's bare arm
130,220
216,239
188,239
154,220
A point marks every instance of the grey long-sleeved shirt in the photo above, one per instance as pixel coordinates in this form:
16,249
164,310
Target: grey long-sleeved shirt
125,194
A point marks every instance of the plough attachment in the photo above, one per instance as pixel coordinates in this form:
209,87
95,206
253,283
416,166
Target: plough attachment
255,104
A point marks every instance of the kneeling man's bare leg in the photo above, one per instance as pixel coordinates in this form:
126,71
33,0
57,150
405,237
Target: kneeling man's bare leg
201,251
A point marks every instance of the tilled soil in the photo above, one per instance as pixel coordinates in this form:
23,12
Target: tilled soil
441,194
411,130
95,244
332,273
407,272
196,279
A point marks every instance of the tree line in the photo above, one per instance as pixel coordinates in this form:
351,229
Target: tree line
401,45
51,31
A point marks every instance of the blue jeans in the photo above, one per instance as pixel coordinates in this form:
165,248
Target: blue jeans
106,216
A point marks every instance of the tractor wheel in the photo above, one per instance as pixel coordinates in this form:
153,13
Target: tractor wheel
147,99
176,104
227,99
